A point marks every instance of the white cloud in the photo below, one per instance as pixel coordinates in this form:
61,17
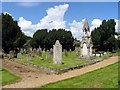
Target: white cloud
28,4
95,23
117,26
53,19
76,28
25,24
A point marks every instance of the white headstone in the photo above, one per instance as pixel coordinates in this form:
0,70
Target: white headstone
57,53
19,55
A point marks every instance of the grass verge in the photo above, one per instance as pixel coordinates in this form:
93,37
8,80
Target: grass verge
7,77
106,77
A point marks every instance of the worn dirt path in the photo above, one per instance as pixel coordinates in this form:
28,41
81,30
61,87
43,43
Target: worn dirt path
32,78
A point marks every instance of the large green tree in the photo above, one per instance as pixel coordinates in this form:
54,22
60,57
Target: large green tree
103,37
47,39
12,36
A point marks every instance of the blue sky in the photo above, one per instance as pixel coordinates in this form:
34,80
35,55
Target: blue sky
74,14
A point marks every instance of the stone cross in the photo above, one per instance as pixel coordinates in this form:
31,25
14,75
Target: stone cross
57,53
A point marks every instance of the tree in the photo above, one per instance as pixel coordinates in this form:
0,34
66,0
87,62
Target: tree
103,36
47,39
12,36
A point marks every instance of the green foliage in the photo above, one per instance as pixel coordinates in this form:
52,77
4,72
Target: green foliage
47,39
102,78
7,77
12,36
103,36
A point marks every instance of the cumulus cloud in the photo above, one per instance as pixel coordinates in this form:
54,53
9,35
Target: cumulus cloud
117,26
53,20
76,28
95,23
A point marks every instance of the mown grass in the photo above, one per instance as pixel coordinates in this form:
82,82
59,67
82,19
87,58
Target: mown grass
68,61
6,77
106,77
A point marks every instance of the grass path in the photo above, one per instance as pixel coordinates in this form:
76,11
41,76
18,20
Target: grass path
33,78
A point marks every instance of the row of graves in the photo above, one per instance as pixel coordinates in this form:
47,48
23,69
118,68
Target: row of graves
30,53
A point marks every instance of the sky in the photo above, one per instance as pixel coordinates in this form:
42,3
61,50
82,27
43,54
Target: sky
32,16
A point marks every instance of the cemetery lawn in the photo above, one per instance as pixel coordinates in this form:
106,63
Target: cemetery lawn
7,77
68,61
106,77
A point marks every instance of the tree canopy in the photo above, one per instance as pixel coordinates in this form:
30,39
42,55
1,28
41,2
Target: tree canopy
103,37
12,36
46,39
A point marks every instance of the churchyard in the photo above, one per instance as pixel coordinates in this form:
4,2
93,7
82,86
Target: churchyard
50,60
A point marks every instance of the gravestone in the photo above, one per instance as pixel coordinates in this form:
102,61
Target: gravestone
57,53
44,50
77,50
21,51
19,55
48,55
29,57
39,52
66,52
34,52
51,51
11,54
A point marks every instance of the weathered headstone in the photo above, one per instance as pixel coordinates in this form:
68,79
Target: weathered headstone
51,51
21,51
48,55
39,52
57,53
66,52
44,50
29,57
19,55
77,50
11,54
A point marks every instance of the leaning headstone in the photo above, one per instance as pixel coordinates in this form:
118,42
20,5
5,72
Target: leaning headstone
57,53
19,55
48,55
